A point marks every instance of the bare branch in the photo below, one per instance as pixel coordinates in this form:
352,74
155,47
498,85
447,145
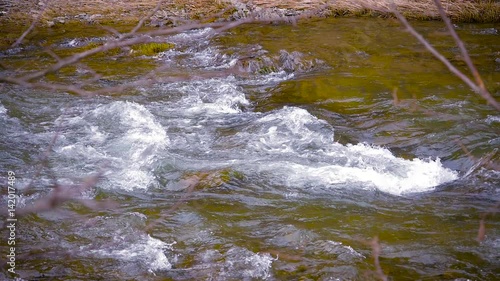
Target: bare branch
111,30
52,54
145,80
460,44
481,234
142,20
141,38
376,249
32,26
395,97
44,158
483,161
475,87
61,194
48,86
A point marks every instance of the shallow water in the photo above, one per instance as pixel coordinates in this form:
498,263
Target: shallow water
299,158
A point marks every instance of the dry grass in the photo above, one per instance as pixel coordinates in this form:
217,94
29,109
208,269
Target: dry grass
457,10
22,12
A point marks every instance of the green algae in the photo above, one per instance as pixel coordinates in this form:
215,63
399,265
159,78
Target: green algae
150,49
44,46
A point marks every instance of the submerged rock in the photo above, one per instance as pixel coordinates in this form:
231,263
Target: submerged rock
292,62
209,179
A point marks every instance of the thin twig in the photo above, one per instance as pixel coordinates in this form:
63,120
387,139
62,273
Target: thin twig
140,38
142,20
466,57
45,156
475,87
61,194
376,250
111,30
481,233
32,26
460,44
395,98
483,161
52,54
145,80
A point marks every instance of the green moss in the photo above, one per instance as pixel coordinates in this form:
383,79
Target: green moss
66,52
267,69
62,75
89,46
7,40
150,49
92,45
228,174
211,179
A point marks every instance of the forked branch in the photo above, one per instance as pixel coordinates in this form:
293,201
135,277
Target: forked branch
477,86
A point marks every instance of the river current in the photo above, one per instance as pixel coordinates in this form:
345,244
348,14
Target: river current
282,170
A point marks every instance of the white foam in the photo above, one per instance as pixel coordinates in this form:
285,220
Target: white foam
210,58
290,129
124,133
192,35
271,78
391,174
486,31
492,119
73,43
288,132
145,250
339,250
242,264
194,51
120,238
297,150
212,96
3,110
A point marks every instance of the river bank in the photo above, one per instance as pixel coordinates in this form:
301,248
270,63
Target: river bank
57,12
17,16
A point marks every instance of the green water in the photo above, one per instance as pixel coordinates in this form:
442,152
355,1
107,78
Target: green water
271,146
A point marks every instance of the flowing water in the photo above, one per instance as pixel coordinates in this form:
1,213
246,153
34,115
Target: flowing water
282,170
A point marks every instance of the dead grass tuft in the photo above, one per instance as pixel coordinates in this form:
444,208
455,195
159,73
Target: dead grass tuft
458,10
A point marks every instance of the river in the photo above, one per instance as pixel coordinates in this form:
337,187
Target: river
283,170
